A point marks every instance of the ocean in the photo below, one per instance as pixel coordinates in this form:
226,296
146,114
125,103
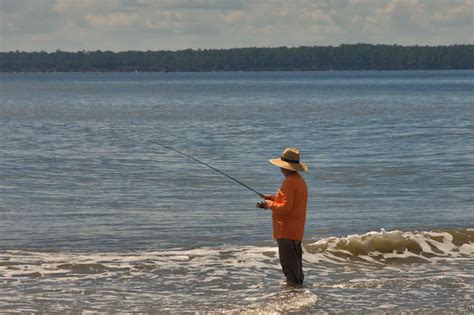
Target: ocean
96,218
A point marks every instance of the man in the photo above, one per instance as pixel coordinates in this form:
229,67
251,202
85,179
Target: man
288,208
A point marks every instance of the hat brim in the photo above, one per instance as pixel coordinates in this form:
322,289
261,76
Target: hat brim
298,167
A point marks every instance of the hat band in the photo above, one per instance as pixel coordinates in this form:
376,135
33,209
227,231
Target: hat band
284,159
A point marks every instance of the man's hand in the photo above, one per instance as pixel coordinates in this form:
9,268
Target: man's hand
266,197
261,205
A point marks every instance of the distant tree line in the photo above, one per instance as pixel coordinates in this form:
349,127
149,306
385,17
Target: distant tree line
343,57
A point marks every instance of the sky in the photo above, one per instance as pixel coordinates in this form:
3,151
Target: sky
120,25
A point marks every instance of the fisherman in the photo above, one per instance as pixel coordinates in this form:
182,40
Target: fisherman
288,208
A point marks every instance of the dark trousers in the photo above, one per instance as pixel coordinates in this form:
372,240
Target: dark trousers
291,260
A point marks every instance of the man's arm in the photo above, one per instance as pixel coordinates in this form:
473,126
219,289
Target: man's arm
286,199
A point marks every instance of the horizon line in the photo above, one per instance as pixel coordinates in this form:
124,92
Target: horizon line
235,48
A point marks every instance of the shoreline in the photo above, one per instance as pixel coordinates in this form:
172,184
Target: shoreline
240,71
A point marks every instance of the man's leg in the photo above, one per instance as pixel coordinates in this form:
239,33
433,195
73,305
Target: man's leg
291,255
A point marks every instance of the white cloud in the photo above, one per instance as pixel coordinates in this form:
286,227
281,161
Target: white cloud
178,24
457,16
111,20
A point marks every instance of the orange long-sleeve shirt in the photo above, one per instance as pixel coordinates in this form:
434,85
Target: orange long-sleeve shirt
288,207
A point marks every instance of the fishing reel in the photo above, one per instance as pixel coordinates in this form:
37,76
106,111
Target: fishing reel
261,204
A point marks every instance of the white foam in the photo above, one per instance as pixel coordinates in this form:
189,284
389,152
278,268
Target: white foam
287,300
406,254
467,249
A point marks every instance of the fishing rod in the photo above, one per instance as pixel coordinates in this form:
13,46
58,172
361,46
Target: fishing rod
203,163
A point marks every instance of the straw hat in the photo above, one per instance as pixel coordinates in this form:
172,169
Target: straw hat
290,160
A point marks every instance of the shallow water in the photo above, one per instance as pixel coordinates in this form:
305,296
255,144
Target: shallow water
94,218
374,271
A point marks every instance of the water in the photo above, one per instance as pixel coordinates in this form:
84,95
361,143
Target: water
93,218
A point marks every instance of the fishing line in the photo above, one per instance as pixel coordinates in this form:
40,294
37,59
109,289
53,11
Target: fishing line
203,163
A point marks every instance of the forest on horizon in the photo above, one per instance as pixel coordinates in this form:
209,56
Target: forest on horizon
304,58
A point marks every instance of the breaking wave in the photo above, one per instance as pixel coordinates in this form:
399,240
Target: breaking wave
394,246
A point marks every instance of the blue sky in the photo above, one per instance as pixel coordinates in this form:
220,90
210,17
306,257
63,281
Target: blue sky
33,25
